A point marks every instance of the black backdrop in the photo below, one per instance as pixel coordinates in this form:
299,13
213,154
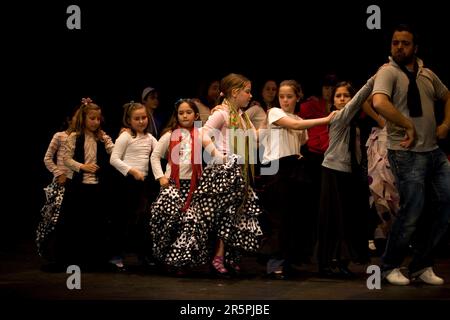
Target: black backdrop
126,45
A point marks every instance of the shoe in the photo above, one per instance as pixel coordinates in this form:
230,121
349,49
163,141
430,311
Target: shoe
180,272
147,262
395,277
234,268
277,275
218,268
344,272
327,273
116,265
149,265
428,276
118,268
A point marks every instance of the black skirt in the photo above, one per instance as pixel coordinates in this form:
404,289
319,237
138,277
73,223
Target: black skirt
343,216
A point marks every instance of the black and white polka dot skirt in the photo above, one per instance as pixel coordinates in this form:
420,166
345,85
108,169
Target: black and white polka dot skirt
49,215
221,207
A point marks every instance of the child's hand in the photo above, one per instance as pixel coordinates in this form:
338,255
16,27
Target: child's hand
219,159
331,115
101,135
61,180
136,174
163,182
89,167
122,130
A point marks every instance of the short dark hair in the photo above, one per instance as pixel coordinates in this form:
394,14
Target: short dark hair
408,28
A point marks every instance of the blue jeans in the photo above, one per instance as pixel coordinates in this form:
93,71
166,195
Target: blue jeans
417,174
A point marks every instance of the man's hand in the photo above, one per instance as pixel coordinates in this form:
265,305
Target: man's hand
409,137
442,131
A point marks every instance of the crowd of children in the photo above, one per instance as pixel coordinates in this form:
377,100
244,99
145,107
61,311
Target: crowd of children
315,179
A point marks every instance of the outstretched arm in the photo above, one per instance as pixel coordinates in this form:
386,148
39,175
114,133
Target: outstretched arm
347,113
300,124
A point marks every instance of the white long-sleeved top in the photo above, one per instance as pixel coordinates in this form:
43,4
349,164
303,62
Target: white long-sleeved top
132,152
185,150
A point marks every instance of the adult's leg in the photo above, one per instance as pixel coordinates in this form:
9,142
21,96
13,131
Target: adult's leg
439,170
409,169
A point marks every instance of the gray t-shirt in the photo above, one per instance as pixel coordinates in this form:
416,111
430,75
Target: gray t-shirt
393,82
337,156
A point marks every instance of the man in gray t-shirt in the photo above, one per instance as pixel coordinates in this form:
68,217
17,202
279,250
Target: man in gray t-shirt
405,93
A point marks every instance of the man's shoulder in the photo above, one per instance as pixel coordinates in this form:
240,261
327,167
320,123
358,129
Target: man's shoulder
387,73
390,68
427,72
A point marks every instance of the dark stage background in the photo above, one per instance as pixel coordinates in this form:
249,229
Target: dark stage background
123,47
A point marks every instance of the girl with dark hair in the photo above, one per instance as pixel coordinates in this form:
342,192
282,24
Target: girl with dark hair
257,112
342,232
208,98
171,216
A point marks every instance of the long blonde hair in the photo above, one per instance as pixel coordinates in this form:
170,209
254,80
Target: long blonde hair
80,122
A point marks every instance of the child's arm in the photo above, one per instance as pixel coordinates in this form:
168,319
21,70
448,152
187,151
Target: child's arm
109,145
210,147
280,118
69,151
214,124
50,155
158,153
118,154
300,124
137,175
346,114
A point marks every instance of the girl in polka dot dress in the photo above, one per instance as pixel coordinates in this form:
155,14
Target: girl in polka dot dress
224,195
172,219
